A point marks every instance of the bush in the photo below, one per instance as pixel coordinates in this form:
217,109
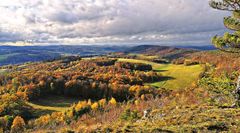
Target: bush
6,122
129,115
18,125
81,108
113,101
189,63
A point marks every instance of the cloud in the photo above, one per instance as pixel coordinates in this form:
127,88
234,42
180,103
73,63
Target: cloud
109,21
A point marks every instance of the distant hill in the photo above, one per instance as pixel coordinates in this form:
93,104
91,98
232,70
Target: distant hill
204,48
21,54
163,51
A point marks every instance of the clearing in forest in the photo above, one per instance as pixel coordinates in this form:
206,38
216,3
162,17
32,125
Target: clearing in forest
174,76
53,103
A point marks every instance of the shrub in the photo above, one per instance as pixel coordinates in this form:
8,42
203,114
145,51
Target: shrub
81,108
189,63
138,90
6,122
18,125
129,115
94,106
102,103
113,101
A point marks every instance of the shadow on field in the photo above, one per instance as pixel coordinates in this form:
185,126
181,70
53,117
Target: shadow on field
56,101
39,112
160,70
166,78
162,79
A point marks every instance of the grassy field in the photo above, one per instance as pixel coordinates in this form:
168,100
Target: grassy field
174,76
53,103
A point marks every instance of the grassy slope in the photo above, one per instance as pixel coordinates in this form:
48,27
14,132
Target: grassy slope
176,76
180,76
53,103
45,107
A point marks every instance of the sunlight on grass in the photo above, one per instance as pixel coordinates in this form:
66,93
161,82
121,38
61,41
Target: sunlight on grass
57,109
177,76
182,76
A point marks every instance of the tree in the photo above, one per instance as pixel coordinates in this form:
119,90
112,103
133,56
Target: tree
113,101
18,125
230,42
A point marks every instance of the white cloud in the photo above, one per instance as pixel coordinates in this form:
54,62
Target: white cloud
105,21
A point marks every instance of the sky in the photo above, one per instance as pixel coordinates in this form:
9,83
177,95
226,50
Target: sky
166,22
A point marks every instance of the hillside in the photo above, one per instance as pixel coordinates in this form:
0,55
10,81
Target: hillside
120,66
10,55
161,51
22,54
173,76
111,93
88,94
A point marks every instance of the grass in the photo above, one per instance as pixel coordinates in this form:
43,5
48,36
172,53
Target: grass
53,103
174,76
180,76
45,107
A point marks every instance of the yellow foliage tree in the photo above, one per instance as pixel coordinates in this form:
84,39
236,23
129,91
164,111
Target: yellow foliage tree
113,101
102,102
142,97
81,105
94,106
18,125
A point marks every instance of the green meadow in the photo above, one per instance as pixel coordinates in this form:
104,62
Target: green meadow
174,76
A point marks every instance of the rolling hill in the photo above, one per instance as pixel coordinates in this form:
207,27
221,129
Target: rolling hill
22,54
162,51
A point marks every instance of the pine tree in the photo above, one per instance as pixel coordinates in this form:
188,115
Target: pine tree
229,42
